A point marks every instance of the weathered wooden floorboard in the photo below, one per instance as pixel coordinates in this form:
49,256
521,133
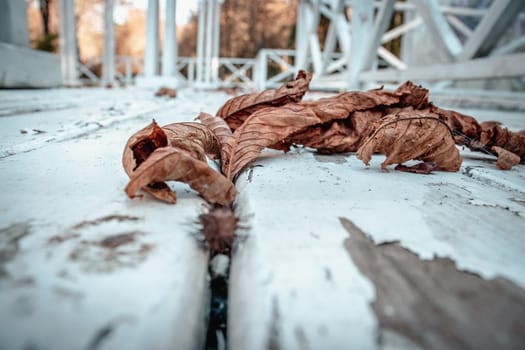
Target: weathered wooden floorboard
84,267
294,285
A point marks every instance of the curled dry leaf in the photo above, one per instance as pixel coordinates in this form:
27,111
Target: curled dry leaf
169,163
141,144
236,110
493,134
194,138
506,159
138,148
221,130
406,136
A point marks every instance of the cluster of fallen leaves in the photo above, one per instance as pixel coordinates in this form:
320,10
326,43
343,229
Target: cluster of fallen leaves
403,124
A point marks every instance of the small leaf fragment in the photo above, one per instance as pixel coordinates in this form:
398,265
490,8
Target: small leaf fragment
419,168
506,159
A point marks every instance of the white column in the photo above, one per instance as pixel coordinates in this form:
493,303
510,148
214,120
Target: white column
301,38
200,40
152,39
68,43
209,28
169,51
216,40
108,60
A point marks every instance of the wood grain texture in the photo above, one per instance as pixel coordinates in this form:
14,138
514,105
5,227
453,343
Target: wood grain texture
75,252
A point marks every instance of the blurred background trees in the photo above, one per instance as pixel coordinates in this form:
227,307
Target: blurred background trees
246,27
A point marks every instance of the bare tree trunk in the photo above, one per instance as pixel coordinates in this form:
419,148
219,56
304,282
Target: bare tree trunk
44,11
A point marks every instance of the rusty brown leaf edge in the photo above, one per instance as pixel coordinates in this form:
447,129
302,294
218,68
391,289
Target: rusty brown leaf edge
170,163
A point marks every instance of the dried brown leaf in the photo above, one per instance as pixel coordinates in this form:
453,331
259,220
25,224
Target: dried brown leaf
236,110
412,95
506,159
406,136
169,163
338,136
141,144
465,127
138,148
195,138
493,134
271,125
221,130
166,91
263,128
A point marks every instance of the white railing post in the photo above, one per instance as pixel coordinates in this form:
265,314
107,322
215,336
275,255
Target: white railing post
169,50
261,70
152,37
68,43
108,60
200,41
129,72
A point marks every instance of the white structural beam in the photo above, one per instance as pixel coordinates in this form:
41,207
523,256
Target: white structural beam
152,40
169,50
443,36
481,68
216,40
381,23
331,36
493,25
208,42
307,41
108,59
68,43
200,39
362,17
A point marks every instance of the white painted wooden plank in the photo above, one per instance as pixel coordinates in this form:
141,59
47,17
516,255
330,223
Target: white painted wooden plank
62,286
481,68
292,283
103,108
